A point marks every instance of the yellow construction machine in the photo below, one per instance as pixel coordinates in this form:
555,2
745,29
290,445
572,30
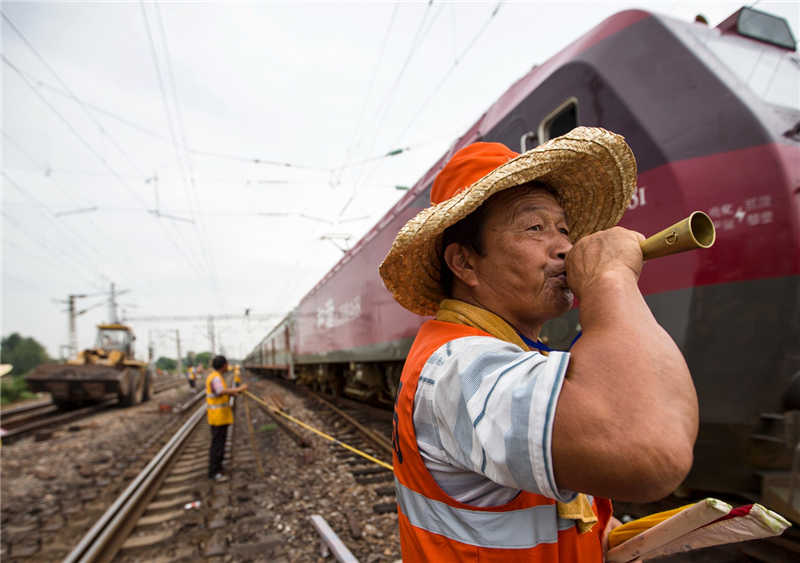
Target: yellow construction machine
96,374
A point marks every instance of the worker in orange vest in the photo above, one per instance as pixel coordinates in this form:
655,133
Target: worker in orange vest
220,415
506,450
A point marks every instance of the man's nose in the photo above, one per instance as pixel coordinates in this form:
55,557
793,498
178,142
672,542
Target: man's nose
562,246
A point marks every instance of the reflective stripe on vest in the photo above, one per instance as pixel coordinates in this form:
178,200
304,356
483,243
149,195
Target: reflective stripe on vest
436,527
218,407
514,529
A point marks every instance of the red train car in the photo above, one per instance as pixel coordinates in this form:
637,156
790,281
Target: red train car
713,116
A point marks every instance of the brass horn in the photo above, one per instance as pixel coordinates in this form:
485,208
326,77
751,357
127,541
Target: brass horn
696,231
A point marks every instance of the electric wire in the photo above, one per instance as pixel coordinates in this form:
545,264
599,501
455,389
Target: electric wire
416,114
84,142
69,91
48,213
168,116
27,154
370,87
437,88
194,151
200,228
86,275
383,111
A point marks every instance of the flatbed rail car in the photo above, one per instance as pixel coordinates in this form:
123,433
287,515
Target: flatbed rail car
713,116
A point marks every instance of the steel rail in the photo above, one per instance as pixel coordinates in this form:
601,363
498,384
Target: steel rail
45,420
18,419
103,540
8,411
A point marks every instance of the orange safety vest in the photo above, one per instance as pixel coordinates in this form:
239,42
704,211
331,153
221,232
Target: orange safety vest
436,527
218,407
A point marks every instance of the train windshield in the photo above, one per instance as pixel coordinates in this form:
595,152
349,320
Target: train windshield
770,72
773,74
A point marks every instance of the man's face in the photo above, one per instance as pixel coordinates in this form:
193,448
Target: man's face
522,275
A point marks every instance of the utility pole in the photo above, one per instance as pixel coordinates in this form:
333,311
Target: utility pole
112,305
72,315
212,336
180,360
73,329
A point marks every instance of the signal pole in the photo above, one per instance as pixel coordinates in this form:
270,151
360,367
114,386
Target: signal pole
72,315
73,329
180,358
212,336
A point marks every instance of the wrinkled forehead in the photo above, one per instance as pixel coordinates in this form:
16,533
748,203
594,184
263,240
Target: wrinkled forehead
508,205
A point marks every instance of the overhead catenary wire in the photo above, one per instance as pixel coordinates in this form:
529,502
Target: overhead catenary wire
83,243
80,137
416,114
95,225
206,265
248,159
69,91
383,110
86,274
448,73
200,227
370,87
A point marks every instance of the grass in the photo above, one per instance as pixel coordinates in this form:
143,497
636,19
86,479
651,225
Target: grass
13,388
268,427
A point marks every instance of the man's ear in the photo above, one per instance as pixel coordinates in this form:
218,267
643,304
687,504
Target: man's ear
460,259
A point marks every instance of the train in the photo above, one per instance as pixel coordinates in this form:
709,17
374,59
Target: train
713,117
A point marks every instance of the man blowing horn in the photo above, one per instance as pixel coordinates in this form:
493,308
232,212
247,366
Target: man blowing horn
506,450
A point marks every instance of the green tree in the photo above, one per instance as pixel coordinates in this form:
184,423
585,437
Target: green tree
166,364
202,359
21,352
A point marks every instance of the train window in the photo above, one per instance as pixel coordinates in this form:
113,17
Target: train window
765,27
560,121
528,141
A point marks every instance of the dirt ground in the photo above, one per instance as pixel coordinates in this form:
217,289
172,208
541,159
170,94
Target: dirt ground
53,490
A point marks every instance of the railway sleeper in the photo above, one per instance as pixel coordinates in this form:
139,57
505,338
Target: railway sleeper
384,507
368,471
379,478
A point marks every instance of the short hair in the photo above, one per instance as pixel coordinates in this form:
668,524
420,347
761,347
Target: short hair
469,232
219,362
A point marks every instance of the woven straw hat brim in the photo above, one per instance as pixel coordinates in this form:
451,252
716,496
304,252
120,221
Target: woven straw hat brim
592,171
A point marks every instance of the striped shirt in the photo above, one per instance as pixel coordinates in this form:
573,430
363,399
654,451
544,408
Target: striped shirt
216,385
483,416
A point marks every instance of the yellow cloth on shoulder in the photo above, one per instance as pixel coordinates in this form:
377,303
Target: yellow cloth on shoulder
459,312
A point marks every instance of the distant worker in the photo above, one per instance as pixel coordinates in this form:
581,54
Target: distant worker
220,415
505,450
237,378
192,376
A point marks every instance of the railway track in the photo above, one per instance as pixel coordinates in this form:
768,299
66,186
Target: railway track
368,429
171,507
43,417
110,533
18,422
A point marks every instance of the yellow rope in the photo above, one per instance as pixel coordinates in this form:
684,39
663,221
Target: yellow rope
320,433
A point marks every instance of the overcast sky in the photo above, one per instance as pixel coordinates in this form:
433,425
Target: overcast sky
210,157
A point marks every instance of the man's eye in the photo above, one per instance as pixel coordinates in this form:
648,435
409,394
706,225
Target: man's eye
536,228
564,231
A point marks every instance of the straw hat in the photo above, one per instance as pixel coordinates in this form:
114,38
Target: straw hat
592,172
